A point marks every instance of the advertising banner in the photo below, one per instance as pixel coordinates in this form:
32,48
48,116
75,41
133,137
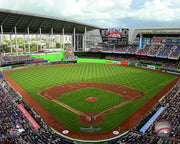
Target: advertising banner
7,68
169,40
109,62
174,40
140,54
153,118
163,40
28,116
157,40
124,63
151,67
116,62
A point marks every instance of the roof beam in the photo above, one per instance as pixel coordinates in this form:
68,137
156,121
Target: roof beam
29,24
52,26
40,25
17,22
6,17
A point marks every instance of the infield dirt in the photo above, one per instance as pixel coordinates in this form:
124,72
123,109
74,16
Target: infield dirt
57,125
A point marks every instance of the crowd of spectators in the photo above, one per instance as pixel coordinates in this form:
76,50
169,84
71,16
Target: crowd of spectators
15,127
164,63
5,60
166,50
176,52
122,49
171,113
108,48
144,50
124,58
132,49
170,65
154,50
172,51
95,49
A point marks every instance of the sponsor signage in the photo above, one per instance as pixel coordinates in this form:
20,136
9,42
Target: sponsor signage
140,54
151,67
116,62
90,129
151,55
163,40
7,68
124,63
153,118
28,116
169,40
162,56
174,40
157,40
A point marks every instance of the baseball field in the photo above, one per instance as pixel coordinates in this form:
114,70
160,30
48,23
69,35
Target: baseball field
109,93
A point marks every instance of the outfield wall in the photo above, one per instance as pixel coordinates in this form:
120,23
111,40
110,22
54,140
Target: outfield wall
50,57
85,60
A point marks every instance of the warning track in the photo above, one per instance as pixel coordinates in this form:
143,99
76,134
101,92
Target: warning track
57,125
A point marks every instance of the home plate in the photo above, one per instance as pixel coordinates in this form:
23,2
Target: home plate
115,132
65,131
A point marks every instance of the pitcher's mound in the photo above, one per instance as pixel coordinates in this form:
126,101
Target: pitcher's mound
91,99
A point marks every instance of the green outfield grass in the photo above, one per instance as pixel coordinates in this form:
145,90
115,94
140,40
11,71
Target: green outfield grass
77,100
36,79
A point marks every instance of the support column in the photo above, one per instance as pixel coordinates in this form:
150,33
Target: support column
85,39
24,43
77,38
37,42
28,40
74,38
16,40
11,43
2,38
141,41
52,37
40,39
63,37
49,41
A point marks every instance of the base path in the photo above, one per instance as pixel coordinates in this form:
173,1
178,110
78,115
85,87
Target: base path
57,125
54,93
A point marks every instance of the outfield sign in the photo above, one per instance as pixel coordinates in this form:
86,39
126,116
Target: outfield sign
151,67
153,118
7,68
116,62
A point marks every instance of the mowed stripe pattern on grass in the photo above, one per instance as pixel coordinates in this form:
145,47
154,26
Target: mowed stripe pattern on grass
77,100
36,79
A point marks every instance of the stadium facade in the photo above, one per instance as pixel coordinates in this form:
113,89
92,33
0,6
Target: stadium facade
155,49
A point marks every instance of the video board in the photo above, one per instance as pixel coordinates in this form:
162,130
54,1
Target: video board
114,35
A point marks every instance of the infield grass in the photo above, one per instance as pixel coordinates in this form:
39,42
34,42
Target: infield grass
77,100
36,79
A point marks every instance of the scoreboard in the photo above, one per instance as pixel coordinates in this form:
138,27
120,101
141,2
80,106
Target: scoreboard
114,35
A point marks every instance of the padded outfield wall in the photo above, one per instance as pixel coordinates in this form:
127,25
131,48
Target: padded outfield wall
51,57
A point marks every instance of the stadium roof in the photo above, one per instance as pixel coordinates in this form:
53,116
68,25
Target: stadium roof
10,18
